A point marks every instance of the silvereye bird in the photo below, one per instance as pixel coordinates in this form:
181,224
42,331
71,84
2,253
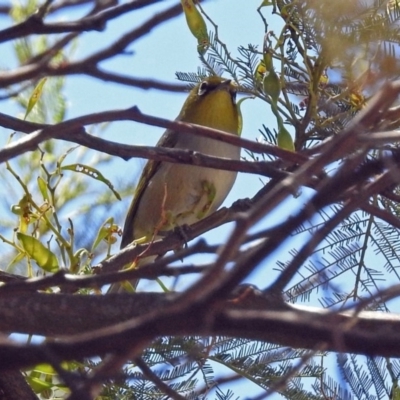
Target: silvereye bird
170,195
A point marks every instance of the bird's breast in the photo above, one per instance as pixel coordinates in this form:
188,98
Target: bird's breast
180,194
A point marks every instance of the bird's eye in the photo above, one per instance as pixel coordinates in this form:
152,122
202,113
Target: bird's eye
203,88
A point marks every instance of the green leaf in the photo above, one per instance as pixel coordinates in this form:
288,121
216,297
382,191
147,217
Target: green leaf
196,24
395,392
93,173
19,257
102,233
240,118
39,385
163,287
37,92
41,254
272,85
44,369
266,3
284,139
43,188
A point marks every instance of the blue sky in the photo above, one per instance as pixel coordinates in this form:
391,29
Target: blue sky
159,55
166,50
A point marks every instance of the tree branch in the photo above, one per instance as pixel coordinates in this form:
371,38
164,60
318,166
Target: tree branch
147,315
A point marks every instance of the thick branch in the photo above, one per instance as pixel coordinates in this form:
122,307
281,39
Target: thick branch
161,314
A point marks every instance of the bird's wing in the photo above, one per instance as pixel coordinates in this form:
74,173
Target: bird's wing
169,140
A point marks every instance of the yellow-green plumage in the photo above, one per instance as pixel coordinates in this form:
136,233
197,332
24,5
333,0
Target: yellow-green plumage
170,194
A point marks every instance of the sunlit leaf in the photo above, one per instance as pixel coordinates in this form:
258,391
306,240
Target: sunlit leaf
37,92
196,24
93,173
37,251
43,188
284,139
38,385
106,231
240,118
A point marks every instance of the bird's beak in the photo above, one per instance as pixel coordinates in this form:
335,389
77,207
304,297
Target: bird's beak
225,84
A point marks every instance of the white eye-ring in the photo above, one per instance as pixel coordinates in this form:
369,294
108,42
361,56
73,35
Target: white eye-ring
203,88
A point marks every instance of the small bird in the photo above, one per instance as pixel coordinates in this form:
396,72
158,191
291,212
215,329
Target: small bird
169,194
